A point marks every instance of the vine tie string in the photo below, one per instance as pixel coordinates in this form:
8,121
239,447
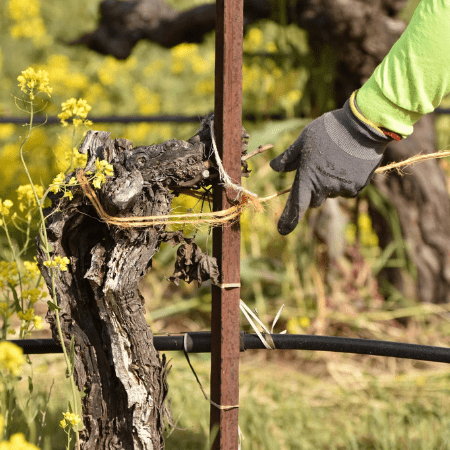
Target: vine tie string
244,198
222,407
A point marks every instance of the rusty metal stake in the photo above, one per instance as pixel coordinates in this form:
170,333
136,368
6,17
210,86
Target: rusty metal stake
226,240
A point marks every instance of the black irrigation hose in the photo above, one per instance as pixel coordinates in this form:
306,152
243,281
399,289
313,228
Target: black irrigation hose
106,119
251,117
51,120
200,342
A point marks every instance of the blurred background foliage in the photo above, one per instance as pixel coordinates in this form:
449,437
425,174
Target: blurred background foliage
315,401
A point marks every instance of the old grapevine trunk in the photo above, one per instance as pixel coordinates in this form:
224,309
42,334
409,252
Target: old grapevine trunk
116,365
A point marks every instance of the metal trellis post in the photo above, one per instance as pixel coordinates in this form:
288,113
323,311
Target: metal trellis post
226,240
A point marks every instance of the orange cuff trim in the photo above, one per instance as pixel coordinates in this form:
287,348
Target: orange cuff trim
391,134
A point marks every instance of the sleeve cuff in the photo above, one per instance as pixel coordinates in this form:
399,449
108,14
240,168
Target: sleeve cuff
376,107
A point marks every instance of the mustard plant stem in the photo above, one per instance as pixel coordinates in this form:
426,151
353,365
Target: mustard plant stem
44,237
14,255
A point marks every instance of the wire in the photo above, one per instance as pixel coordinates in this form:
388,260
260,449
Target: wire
174,118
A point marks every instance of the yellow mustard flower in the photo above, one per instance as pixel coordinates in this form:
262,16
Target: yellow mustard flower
98,180
104,167
5,310
37,322
367,235
202,65
5,206
32,82
32,28
25,195
297,325
103,170
77,110
8,272
31,269
11,358
58,262
28,22
271,47
26,316
17,442
253,40
304,322
6,129
71,419
33,295
112,70
57,183
79,159
68,194
19,8
182,56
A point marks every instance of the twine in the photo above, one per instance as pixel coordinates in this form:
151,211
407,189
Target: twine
223,175
214,218
217,218
411,161
221,407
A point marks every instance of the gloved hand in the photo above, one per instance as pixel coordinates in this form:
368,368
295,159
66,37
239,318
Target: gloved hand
336,154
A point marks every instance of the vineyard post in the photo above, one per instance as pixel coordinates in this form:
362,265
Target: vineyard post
226,240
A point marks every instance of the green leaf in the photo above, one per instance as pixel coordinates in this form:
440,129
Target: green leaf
17,304
30,385
53,306
71,357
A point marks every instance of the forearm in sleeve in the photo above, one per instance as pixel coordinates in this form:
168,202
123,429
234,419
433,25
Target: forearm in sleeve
415,75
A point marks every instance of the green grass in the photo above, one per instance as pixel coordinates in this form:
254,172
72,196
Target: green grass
303,399
324,401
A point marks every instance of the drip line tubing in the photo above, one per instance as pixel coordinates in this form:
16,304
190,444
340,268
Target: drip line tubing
174,118
200,342
167,118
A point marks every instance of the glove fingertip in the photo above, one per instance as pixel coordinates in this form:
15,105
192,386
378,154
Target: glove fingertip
298,202
288,160
287,226
279,166
284,230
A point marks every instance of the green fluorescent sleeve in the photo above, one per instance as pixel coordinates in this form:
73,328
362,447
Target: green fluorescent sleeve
415,75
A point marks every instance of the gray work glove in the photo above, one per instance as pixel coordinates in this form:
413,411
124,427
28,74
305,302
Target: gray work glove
336,154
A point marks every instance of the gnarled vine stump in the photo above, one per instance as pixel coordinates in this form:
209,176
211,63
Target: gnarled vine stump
116,365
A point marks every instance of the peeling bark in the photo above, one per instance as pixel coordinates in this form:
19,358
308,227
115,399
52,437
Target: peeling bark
116,365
